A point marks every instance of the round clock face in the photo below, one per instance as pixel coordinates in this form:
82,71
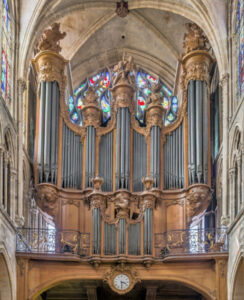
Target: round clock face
121,282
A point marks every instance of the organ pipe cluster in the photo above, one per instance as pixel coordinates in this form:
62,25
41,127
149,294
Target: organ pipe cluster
48,132
198,132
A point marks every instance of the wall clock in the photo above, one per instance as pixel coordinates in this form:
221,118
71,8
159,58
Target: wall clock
121,279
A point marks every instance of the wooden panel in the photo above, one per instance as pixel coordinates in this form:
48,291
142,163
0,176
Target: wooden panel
175,215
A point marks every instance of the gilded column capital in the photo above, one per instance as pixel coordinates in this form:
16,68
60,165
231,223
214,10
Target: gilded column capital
48,62
196,62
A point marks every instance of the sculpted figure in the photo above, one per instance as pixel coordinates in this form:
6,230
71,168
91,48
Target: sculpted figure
124,71
51,37
195,38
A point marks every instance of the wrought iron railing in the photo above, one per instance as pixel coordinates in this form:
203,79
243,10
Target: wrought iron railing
68,242
52,241
191,241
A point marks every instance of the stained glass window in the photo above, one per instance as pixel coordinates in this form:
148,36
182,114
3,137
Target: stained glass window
6,50
240,46
102,84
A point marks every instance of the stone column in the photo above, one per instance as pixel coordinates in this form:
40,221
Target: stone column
231,197
12,192
242,172
19,209
224,82
5,182
239,181
1,175
34,213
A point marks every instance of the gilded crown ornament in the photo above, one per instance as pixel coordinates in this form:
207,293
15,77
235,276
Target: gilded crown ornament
50,38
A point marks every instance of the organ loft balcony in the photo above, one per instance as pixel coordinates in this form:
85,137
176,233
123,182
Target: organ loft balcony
123,167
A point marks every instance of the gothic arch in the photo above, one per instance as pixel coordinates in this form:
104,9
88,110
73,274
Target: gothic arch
189,283
8,137
6,275
204,16
236,291
235,146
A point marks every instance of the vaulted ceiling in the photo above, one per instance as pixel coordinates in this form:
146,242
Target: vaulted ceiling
96,37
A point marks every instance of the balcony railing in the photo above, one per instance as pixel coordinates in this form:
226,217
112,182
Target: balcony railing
51,241
68,242
191,241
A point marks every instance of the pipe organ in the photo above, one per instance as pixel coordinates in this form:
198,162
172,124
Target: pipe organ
124,182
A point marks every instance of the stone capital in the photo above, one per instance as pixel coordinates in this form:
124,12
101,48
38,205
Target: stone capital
21,86
231,172
225,220
224,79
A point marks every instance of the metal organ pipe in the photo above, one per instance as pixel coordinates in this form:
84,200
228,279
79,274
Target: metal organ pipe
148,231
205,133
139,161
41,132
90,154
71,159
123,149
198,131
174,160
96,231
155,155
48,136
106,161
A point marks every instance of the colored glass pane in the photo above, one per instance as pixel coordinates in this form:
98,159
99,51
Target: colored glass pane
80,104
170,117
240,45
151,79
74,117
104,105
140,81
101,82
167,90
5,51
94,79
80,88
165,102
6,14
71,104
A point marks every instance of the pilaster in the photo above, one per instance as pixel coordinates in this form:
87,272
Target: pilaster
19,202
224,82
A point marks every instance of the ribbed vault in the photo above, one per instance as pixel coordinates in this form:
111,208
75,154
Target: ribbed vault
153,29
